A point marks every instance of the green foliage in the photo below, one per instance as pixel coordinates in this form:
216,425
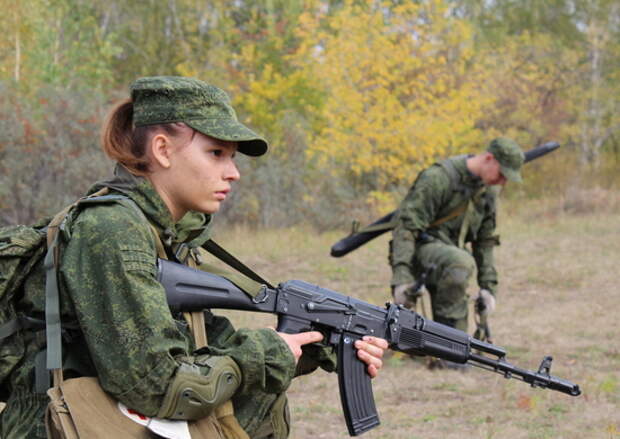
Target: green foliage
609,385
558,409
58,45
502,20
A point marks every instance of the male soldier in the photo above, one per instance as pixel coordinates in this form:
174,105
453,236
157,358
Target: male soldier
451,204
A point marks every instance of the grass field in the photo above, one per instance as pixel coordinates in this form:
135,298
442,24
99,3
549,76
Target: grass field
559,295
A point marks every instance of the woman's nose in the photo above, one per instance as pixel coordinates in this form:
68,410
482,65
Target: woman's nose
232,173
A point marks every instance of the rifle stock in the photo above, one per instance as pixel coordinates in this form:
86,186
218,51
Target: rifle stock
341,319
357,239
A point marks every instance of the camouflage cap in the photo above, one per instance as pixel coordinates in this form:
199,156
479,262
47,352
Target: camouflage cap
509,155
204,107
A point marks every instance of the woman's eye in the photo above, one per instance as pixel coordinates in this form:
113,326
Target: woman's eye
216,152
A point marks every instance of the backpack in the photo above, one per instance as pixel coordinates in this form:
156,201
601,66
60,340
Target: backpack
21,248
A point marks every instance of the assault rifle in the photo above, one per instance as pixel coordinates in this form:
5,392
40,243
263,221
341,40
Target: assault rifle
358,238
342,320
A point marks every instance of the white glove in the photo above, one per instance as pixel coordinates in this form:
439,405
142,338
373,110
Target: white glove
401,296
485,302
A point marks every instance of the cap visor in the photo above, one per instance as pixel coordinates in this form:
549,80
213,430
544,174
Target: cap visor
249,142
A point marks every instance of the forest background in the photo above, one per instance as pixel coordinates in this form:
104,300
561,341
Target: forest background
355,97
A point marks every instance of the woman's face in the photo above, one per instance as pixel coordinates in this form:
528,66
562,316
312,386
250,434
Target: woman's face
199,175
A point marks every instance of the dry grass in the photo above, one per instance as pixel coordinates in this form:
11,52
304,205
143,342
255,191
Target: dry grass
559,296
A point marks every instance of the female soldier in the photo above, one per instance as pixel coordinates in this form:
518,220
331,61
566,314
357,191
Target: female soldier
174,142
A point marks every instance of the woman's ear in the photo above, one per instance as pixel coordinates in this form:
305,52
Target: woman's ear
160,148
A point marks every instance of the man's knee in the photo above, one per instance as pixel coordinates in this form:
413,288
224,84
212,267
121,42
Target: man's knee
450,301
457,276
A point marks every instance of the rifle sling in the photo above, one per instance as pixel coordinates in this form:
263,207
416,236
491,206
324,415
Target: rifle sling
377,227
459,210
223,255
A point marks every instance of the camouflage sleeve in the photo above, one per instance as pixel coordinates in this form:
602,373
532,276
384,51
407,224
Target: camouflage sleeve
419,208
313,357
265,360
267,366
482,248
108,269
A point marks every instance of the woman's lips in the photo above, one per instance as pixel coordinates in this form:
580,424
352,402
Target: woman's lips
221,195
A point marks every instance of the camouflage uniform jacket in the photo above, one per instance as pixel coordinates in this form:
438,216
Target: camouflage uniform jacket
127,336
433,196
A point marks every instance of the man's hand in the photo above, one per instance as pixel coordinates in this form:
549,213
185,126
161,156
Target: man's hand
485,302
402,294
370,351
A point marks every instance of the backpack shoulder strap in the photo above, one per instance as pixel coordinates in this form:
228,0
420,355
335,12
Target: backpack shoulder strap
53,325
448,166
468,214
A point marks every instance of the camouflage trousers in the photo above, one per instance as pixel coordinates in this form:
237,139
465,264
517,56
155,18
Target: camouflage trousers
448,272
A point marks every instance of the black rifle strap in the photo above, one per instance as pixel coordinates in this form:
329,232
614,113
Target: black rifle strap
223,255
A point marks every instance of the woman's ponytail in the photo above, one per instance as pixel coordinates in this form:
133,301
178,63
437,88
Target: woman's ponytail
120,141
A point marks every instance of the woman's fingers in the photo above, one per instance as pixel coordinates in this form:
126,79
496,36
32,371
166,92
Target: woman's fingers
370,350
296,341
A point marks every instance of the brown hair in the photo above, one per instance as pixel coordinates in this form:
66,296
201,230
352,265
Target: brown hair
126,144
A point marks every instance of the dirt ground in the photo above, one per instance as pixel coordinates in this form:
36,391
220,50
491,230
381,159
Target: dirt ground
559,296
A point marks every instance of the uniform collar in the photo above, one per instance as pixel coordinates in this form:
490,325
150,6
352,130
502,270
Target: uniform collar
467,177
193,228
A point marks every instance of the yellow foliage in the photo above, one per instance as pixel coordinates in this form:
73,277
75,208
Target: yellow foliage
400,92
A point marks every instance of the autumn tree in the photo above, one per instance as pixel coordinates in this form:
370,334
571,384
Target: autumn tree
400,87
599,118
557,62
355,96
55,65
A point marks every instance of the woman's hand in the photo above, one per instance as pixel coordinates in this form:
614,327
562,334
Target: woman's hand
370,351
296,341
